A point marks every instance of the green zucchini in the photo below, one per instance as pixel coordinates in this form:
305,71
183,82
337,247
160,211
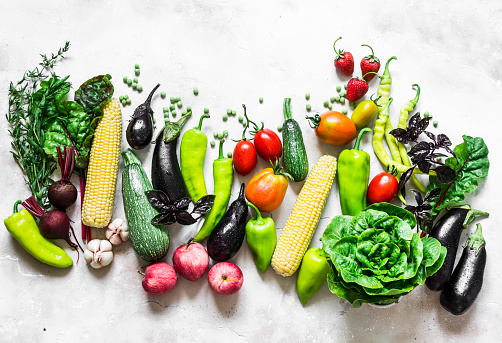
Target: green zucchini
295,158
149,241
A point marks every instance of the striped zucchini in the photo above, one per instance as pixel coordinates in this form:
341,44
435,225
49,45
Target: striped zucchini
295,158
150,242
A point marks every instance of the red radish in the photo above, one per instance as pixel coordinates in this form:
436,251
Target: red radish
225,278
53,224
159,278
191,260
244,156
62,194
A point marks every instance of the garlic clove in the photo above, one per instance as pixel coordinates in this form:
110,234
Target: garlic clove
98,253
117,232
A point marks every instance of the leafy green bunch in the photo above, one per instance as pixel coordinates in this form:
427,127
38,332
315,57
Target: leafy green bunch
376,258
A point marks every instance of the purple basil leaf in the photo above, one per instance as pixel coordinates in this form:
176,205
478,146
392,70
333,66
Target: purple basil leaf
420,151
424,220
433,194
422,125
430,135
165,218
436,155
444,174
418,196
412,209
450,151
424,166
401,135
204,204
443,140
158,200
182,204
414,120
405,177
184,218
426,206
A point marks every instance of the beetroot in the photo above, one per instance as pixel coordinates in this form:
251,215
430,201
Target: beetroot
54,224
62,194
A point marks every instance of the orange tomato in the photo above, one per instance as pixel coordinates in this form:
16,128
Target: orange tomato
267,189
334,128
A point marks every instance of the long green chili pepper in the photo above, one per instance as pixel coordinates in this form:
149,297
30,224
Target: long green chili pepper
223,177
192,154
383,90
403,123
353,176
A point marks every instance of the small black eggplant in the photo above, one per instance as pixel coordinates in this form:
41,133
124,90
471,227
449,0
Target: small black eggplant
447,231
139,132
227,236
467,278
166,173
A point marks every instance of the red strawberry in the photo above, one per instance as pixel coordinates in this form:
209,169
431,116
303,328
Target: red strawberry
370,63
344,61
356,88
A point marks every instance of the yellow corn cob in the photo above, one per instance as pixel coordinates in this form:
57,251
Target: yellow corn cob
302,222
103,168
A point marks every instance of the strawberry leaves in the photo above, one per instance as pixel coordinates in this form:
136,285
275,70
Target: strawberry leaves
178,211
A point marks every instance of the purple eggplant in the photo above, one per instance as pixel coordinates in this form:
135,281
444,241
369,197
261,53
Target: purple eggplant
139,132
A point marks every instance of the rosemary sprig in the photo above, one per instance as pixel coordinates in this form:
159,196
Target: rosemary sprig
27,102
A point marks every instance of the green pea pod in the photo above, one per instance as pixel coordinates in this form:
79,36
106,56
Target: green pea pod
192,154
24,228
261,238
312,275
223,176
353,176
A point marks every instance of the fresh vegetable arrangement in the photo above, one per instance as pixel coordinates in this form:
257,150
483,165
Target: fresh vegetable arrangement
370,254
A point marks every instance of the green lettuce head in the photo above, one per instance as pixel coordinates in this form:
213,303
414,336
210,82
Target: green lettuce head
376,258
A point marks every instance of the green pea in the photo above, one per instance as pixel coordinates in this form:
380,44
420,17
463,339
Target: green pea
220,135
337,98
229,111
261,99
128,101
125,79
352,103
166,114
136,66
332,99
215,134
212,143
342,100
135,80
241,119
206,110
307,96
173,100
173,113
244,123
345,86
172,107
139,88
426,114
129,82
330,107
195,91
229,154
342,93
124,102
153,120
126,96
184,112
326,103
225,117
180,104
344,111
338,88
189,108
165,109
279,128
234,112
134,86
308,107
121,97
162,95
438,159
225,133
435,123
136,72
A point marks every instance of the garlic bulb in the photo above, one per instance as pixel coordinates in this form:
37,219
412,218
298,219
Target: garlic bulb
117,232
98,253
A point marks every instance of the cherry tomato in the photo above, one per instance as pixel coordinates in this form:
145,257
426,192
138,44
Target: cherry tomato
334,128
268,145
244,157
266,190
383,188
364,113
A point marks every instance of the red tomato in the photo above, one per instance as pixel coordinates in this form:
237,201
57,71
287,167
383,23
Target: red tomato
268,145
244,157
266,190
383,188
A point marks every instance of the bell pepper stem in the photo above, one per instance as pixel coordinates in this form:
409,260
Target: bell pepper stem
220,150
258,214
360,136
16,204
205,115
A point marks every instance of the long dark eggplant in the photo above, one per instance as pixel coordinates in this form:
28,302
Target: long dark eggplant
139,132
447,231
227,236
467,278
166,172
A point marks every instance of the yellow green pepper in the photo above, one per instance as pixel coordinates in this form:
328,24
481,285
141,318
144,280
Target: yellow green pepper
24,228
261,238
312,275
365,112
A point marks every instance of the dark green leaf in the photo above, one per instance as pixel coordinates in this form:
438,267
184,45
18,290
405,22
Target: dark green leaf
393,210
93,94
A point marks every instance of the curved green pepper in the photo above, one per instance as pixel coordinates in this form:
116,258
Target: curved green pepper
261,238
312,275
223,176
24,228
192,154
353,176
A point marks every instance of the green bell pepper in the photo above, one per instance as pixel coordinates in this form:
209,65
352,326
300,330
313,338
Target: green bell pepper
353,176
261,238
312,275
